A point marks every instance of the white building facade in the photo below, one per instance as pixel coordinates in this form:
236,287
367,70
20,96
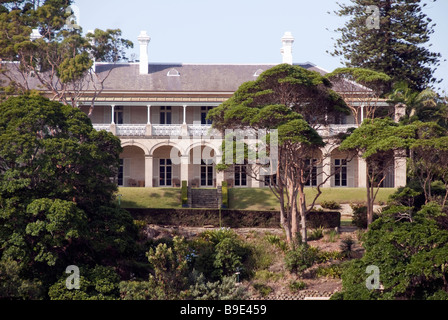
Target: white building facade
159,110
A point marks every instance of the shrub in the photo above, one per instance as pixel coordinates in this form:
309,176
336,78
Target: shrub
184,194
332,236
225,195
301,258
265,275
295,286
333,271
226,289
263,289
332,205
359,218
316,234
221,253
277,242
326,256
347,246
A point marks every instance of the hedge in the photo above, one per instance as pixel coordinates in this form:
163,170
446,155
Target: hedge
229,218
184,193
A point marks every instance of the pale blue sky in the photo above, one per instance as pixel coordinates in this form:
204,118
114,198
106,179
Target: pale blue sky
238,31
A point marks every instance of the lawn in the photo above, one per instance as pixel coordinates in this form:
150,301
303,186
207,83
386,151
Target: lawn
150,197
263,199
239,198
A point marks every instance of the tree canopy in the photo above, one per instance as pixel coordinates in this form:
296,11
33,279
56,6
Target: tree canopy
57,198
397,46
295,102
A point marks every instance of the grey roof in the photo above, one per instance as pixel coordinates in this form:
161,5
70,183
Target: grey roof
185,77
192,77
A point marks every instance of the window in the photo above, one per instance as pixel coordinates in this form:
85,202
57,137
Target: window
206,174
204,112
120,173
340,167
311,173
270,180
118,116
165,115
240,176
166,172
173,73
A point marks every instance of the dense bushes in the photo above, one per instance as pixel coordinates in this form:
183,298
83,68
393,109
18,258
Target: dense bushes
204,268
359,218
229,218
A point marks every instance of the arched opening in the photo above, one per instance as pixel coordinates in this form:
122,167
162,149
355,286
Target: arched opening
202,167
132,167
166,167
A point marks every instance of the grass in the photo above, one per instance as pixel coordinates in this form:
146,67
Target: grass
263,199
240,198
150,197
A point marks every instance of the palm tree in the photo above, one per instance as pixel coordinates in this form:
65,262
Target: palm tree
414,100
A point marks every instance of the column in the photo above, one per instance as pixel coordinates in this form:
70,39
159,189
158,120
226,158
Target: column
326,169
149,171
362,173
185,114
148,124
184,124
362,115
113,114
400,166
113,128
219,174
184,166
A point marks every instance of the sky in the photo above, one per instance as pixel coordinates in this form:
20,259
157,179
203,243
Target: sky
238,31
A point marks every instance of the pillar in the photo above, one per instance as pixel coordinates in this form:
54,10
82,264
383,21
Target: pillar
149,171
148,124
362,173
326,169
184,166
400,168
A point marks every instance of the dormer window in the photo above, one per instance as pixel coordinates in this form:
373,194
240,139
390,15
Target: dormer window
173,73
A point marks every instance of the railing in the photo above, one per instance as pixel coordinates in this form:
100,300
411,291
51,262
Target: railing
99,127
334,129
166,130
201,130
131,130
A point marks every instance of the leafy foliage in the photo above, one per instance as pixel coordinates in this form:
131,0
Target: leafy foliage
396,48
410,250
56,196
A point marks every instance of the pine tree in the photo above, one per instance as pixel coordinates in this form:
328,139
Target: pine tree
389,36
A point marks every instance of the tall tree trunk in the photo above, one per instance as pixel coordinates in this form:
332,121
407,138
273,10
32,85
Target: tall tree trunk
302,210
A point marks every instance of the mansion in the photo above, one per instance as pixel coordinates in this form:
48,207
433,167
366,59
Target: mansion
150,105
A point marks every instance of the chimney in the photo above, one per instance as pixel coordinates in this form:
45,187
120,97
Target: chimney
286,51
144,39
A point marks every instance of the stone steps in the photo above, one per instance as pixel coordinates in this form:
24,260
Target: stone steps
204,198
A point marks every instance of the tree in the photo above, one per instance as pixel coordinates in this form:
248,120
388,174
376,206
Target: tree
415,101
57,198
377,141
59,60
396,46
429,161
360,88
295,102
410,250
